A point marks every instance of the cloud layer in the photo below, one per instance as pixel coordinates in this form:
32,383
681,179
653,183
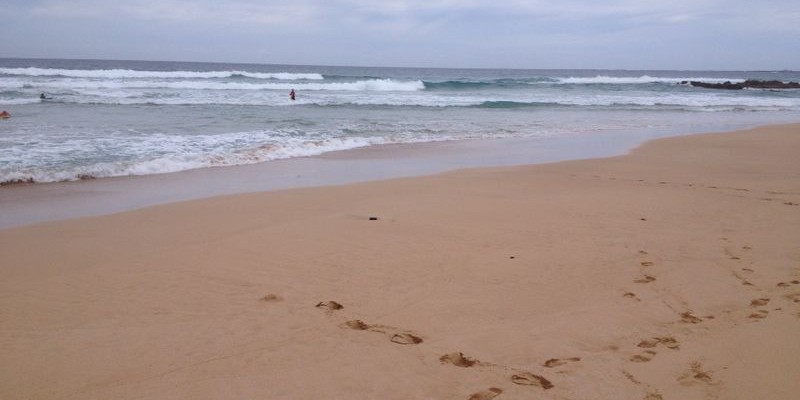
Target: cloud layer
680,34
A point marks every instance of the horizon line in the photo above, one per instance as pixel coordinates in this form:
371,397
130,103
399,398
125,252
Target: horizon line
387,67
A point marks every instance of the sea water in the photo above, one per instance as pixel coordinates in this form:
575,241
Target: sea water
119,118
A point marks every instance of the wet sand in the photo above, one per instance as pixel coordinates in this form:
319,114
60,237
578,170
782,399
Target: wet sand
669,273
25,204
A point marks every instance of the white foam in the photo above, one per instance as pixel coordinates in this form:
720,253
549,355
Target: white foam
179,153
286,76
372,85
644,98
30,100
621,80
137,74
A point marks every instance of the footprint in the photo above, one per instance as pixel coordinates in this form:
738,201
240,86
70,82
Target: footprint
761,314
527,378
458,359
668,342
631,377
759,302
557,362
630,295
645,279
696,374
793,297
357,324
689,318
730,254
399,338
648,343
646,263
644,356
406,338
741,278
651,394
486,394
782,285
269,298
329,305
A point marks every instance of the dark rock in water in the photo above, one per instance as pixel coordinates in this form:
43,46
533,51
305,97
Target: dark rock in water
726,85
771,84
750,83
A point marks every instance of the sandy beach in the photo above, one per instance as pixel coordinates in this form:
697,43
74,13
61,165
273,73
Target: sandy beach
672,272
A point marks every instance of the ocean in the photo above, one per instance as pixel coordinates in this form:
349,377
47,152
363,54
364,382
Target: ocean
104,118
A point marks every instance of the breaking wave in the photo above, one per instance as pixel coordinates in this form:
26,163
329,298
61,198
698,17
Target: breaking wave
632,80
79,84
176,157
136,74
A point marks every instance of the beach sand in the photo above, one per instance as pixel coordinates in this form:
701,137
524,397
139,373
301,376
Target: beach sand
669,273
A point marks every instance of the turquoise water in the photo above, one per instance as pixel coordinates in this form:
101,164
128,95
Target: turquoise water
118,118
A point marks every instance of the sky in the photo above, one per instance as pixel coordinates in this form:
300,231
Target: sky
586,34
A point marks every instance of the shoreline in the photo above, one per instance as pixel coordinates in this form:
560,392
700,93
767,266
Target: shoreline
670,272
42,202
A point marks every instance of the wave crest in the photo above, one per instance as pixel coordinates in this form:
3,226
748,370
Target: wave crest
138,74
374,85
644,79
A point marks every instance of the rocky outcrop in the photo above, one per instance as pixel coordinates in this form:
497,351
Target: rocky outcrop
750,83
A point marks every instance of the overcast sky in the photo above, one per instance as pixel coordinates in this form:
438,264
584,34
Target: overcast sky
614,34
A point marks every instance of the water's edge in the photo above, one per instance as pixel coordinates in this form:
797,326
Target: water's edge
28,204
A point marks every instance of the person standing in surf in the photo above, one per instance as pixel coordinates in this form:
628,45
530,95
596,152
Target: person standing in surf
291,94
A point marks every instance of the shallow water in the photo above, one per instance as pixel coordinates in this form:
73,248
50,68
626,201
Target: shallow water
123,118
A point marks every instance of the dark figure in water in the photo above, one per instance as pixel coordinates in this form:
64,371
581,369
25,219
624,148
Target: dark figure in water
43,97
291,94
